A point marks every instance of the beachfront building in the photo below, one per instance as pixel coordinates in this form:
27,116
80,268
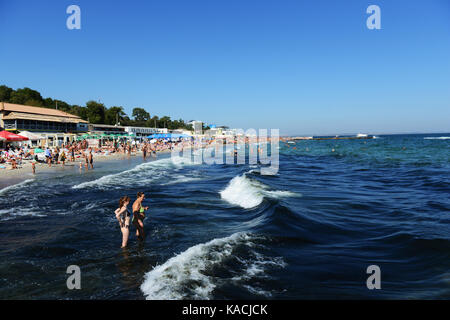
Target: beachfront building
105,129
144,131
198,127
51,127
182,132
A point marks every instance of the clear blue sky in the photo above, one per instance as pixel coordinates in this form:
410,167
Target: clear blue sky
306,67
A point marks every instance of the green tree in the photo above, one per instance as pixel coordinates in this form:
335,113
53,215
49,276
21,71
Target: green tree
21,96
79,111
5,93
139,114
95,112
114,114
165,122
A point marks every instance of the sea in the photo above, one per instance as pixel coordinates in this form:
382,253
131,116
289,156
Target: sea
311,230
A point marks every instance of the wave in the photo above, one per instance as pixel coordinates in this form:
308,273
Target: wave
12,213
437,138
149,171
248,193
189,274
15,186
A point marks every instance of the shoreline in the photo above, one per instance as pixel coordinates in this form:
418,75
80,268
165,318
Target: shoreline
10,177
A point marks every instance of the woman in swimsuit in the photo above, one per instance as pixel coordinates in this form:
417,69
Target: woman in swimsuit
139,215
123,216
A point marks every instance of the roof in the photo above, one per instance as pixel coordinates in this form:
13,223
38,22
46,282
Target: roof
30,116
31,136
106,125
4,106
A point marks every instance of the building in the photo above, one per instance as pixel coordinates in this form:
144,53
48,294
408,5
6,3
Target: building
144,131
105,128
197,126
50,126
14,117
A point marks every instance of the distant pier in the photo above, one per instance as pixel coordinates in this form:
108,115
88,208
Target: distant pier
326,138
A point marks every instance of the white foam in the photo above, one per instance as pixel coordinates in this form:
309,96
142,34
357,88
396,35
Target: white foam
167,281
23,211
248,193
181,179
183,276
148,171
437,138
243,192
15,186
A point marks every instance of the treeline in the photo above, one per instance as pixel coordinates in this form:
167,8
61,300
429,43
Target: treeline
93,111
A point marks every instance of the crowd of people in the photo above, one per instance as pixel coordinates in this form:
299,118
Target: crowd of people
12,157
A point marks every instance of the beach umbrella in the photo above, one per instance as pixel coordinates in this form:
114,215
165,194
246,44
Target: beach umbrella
9,136
38,150
2,139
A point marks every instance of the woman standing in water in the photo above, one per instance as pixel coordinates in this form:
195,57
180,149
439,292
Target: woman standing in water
123,216
139,215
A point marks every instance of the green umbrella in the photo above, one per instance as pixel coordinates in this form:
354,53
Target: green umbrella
38,150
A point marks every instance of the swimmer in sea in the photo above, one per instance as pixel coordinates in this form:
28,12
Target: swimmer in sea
139,215
123,216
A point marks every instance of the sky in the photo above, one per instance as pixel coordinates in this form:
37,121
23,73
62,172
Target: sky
304,67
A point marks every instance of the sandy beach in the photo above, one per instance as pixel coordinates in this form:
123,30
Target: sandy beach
24,172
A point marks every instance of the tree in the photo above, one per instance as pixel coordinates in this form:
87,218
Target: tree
32,102
79,111
114,114
21,96
5,93
139,114
95,112
165,121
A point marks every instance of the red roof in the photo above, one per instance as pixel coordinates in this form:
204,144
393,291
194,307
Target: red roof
9,136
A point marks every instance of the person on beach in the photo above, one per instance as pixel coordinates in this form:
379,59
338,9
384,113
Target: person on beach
123,216
63,158
72,153
33,167
48,156
139,215
85,156
13,164
91,158
144,151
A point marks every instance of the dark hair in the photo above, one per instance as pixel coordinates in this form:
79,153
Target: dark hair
123,200
140,194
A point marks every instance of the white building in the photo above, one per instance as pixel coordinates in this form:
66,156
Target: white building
144,131
197,126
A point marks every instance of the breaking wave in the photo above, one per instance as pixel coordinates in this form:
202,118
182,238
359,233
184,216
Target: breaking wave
437,138
15,186
249,193
144,172
190,274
